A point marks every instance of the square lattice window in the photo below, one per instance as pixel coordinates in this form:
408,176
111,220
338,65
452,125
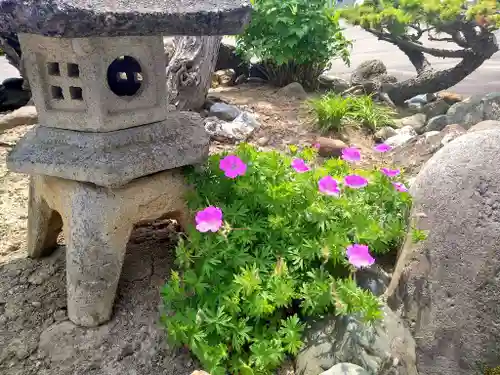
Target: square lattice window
73,70
56,92
53,69
76,93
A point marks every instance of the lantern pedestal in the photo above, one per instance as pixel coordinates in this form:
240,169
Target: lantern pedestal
97,223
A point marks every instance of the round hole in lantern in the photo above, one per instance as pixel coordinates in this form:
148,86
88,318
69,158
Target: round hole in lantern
122,76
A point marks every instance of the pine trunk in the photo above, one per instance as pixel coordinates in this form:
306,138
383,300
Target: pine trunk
190,69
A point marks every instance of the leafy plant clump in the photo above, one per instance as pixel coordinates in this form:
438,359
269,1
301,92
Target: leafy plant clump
273,253
294,40
333,111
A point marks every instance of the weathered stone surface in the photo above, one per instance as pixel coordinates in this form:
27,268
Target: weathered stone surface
403,136
413,155
114,158
386,346
346,369
293,90
435,108
81,18
332,83
224,111
373,279
447,287
23,116
84,84
368,70
383,133
239,129
483,125
330,147
451,132
475,109
97,225
437,123
416,152
416,121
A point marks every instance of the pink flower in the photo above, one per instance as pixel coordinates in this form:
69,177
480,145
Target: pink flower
209,219
382,147
351,154
233,166
390,172
354,181
329,186
359,256
300,166
317,146
399,186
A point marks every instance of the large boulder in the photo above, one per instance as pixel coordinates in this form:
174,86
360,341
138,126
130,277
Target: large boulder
447,287
383,348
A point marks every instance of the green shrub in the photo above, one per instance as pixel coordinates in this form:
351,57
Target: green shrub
241,294
333,111
294,39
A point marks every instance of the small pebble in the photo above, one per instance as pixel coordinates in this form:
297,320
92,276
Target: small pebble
262,141
36,304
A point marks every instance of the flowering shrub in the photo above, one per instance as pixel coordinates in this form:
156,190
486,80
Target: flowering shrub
289,236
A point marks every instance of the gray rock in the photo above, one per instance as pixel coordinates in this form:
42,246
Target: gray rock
368,70
451,132
466,113
447,287
237,130
416,121
421,99
436,108
415,153
383,133
345,369
75,18
224,111
403,136
483,125
373,279
332,83
263,141
293,90
114,158
474,110
437,123
385,346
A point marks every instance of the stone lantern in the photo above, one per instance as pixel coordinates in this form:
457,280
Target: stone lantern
106,153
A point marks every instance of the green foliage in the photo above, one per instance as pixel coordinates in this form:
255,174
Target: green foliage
294,39
404,17
418,235
241,294
492,371
333,111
